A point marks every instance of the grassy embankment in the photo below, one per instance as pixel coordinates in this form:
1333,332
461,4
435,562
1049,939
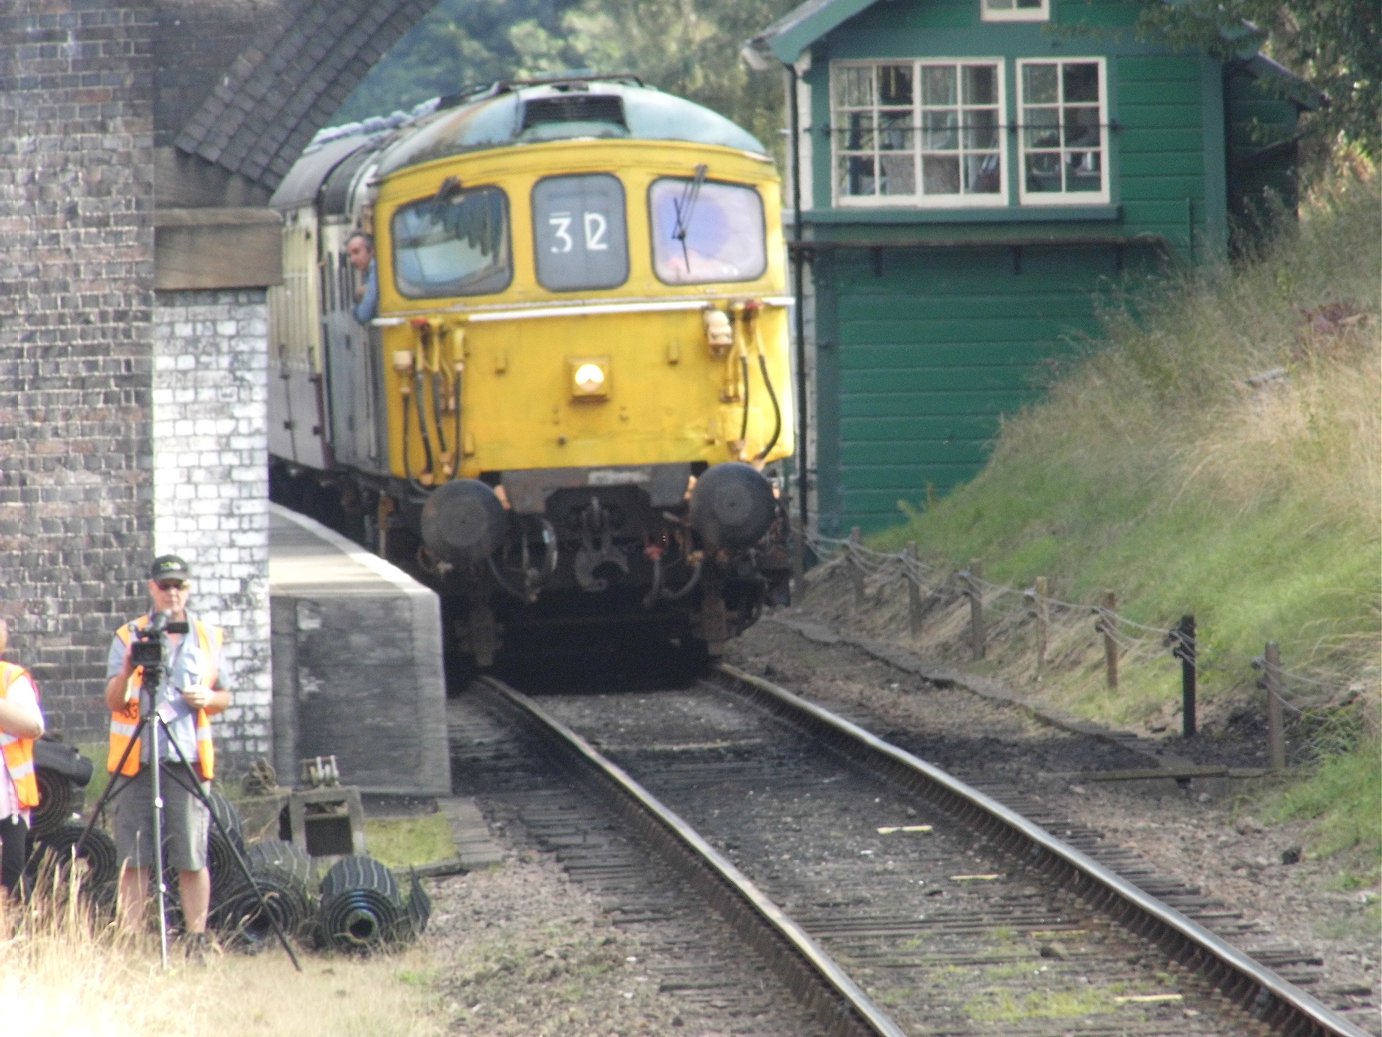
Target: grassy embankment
1221,456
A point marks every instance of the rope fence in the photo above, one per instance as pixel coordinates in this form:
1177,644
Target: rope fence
1314,715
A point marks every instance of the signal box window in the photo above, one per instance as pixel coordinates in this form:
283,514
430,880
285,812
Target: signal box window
1064,138
580,237
704,231
456,243
923,132
1015,10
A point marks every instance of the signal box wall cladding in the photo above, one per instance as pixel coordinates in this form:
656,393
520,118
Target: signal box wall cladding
573,405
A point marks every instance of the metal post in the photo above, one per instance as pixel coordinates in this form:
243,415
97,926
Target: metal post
1039,592
1183,638
856,571
913,590
1271,680
798,560
976,608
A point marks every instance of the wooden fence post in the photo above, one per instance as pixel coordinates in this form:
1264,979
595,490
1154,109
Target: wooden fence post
913,591
1271,680
856,571
1041,625
976,608
1108,626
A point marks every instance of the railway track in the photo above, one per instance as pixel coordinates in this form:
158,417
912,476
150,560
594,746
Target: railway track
881,896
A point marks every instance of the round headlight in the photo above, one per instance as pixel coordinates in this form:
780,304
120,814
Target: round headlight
590,378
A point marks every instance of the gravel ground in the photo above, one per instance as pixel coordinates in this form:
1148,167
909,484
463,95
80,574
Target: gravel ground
524,951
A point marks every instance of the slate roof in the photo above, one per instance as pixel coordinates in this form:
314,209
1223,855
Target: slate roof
800,27
244,84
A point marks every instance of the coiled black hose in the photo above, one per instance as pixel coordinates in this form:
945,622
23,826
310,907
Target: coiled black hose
56,802
226,839
51,857
361,909
62,773
282,893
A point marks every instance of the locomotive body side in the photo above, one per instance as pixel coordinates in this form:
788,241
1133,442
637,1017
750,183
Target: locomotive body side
571,404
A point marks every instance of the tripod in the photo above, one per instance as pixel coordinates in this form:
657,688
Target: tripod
151,721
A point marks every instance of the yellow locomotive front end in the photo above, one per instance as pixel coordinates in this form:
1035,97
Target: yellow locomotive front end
620,306
583,364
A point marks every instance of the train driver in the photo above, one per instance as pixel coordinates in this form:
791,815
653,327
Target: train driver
360,252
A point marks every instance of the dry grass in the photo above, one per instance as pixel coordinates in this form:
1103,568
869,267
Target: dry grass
67,974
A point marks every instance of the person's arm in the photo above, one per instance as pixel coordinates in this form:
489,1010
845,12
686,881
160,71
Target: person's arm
368,305
119,669
19,712
213,700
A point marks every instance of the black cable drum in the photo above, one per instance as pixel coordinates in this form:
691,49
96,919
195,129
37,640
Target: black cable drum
362,909
226,839
53,851
56,802
62,773
282,874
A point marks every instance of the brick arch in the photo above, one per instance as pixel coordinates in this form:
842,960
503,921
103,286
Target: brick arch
296,62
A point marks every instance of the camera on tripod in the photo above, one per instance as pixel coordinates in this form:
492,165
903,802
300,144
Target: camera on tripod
147,648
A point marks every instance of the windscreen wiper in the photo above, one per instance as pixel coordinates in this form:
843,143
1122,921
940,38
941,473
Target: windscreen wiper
683,206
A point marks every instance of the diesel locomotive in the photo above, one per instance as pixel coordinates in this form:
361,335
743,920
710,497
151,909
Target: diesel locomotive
572,409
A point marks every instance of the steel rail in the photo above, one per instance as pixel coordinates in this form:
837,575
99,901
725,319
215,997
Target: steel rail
825,989
1249,984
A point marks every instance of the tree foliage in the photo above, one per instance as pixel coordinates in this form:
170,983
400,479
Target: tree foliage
460,44
1336,45
687,47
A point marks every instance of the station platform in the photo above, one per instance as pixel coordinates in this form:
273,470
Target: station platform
357,664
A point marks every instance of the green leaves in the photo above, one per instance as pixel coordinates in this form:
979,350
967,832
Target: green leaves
686,47
1336,45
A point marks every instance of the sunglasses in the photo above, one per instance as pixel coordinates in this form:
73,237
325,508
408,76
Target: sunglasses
172,585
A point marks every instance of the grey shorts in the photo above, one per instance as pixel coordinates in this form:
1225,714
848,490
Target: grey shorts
186,820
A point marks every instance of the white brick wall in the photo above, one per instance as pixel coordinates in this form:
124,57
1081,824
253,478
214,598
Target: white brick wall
211,490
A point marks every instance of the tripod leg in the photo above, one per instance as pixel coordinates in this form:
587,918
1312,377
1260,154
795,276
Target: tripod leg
130,894
113,789
188,779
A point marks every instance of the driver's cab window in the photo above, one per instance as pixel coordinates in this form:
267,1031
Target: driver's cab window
706,231
456,243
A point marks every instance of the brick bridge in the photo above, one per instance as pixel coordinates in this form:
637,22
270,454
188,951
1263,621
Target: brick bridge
140,141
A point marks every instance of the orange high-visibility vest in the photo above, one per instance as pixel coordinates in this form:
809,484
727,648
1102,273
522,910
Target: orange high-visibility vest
19,752
125,722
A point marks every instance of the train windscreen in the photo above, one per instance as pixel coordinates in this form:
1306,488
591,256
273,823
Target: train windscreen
456,243
706,231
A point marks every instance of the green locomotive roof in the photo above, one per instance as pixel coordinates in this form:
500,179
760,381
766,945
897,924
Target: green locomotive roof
561,109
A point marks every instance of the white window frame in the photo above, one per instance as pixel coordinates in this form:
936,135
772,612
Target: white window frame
1011,11
1060,118
918,117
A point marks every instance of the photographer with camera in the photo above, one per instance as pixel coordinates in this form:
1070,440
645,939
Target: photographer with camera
21,722
179,657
